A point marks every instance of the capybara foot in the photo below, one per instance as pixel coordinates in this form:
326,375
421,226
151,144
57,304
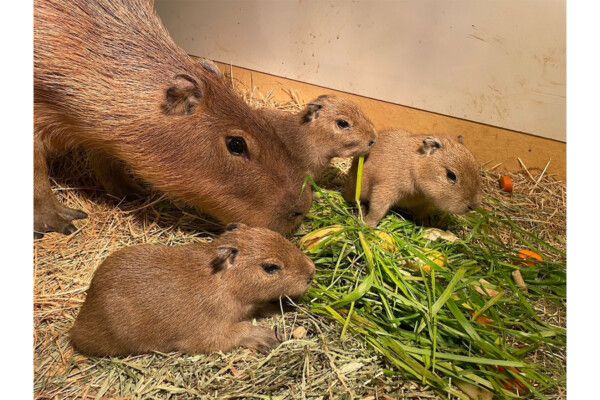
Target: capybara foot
261,339
371,222
55,218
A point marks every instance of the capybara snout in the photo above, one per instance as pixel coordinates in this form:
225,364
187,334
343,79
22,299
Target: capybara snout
276,267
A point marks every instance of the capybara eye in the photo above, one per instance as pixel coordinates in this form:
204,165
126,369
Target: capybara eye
271,268
237,146
342,124
451,176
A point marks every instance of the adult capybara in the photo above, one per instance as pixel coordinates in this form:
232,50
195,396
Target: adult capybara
196,298
108,78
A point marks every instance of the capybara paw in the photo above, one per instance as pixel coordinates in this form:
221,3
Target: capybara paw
262,340
372,222
55,218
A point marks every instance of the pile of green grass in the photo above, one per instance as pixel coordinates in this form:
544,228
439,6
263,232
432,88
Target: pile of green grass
443,327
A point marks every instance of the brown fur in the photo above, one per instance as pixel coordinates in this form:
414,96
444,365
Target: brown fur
314,134
411,172
197,298
109,78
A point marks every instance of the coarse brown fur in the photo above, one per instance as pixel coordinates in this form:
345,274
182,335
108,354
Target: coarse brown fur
108,77
413,172
315,136
197,298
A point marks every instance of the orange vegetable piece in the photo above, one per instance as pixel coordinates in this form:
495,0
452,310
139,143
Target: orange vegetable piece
506,183
483,320
513,384
530,258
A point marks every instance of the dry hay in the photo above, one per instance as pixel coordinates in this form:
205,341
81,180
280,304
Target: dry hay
317,366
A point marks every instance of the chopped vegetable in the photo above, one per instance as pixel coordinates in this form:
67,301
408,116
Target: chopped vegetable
506,183
299,333
483,320
311,240
530,258
434,234
387,242
485,288
474,392
518,278
433,255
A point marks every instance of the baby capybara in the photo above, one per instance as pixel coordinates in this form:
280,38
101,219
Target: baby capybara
197,298
328,127
418,173
109,78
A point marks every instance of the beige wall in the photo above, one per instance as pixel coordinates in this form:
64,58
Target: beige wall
499,62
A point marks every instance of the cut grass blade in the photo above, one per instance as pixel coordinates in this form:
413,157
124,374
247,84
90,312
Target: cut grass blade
447,292
359,173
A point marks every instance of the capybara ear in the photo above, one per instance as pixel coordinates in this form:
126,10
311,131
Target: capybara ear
460,139
210,66
182,96
224,258
311,112
431,145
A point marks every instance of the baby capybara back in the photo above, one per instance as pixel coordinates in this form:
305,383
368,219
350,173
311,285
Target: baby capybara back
109,78
196,298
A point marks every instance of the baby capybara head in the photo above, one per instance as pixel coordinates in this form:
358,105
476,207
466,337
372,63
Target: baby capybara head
341,125
245,172
448,175
261,265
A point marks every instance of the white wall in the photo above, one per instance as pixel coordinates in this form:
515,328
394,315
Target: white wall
497,62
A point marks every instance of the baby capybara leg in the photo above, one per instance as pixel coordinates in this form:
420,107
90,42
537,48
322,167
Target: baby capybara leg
349,189
49,214
113,177
380,203
240,334
258,338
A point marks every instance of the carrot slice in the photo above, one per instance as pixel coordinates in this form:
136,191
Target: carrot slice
506,183
530,258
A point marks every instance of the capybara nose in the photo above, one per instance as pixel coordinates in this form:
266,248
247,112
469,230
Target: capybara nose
371,143
301,206
310,278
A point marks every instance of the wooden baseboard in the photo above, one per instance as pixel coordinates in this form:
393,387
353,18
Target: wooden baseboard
491,145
